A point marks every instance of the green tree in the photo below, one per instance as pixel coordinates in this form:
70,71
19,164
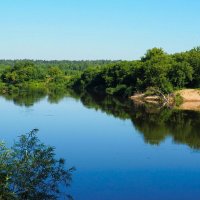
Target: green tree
181,74
155,53
31,171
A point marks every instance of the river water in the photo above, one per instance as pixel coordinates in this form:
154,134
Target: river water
120,150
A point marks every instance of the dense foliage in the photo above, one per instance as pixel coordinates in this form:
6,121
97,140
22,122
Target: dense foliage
122,78
40,75
155,69
68,67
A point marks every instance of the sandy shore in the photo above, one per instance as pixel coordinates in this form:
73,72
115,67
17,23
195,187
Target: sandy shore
191,99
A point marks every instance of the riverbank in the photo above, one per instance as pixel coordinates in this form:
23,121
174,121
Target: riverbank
190,99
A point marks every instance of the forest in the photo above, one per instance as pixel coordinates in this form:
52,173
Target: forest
156,68
27,75
167,72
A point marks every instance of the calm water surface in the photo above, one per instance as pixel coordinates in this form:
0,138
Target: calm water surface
120,151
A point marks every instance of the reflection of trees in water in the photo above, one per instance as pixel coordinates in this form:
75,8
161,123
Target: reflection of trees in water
25,98
182,126
28,98
29,170
155,124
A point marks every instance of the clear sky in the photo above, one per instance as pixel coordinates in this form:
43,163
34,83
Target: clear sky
96,29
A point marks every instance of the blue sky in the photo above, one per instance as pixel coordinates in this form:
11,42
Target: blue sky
96,29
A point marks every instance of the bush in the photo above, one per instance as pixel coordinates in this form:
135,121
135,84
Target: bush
118,91
178,99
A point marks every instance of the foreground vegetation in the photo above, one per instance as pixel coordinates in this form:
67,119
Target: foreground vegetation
29,170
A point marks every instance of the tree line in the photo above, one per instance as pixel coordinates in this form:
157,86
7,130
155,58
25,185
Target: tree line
29,74
158,69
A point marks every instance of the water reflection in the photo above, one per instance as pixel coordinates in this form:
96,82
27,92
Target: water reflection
29,170
30,97
25,98
153,123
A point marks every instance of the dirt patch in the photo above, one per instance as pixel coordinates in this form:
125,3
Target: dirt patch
190,106
190,95
191,99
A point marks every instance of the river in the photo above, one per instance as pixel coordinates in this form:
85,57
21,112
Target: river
120,150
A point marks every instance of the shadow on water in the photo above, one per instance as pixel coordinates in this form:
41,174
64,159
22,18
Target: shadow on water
29,170
153,123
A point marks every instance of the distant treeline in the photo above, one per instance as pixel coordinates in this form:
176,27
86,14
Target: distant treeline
167,72
38,74
66,65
